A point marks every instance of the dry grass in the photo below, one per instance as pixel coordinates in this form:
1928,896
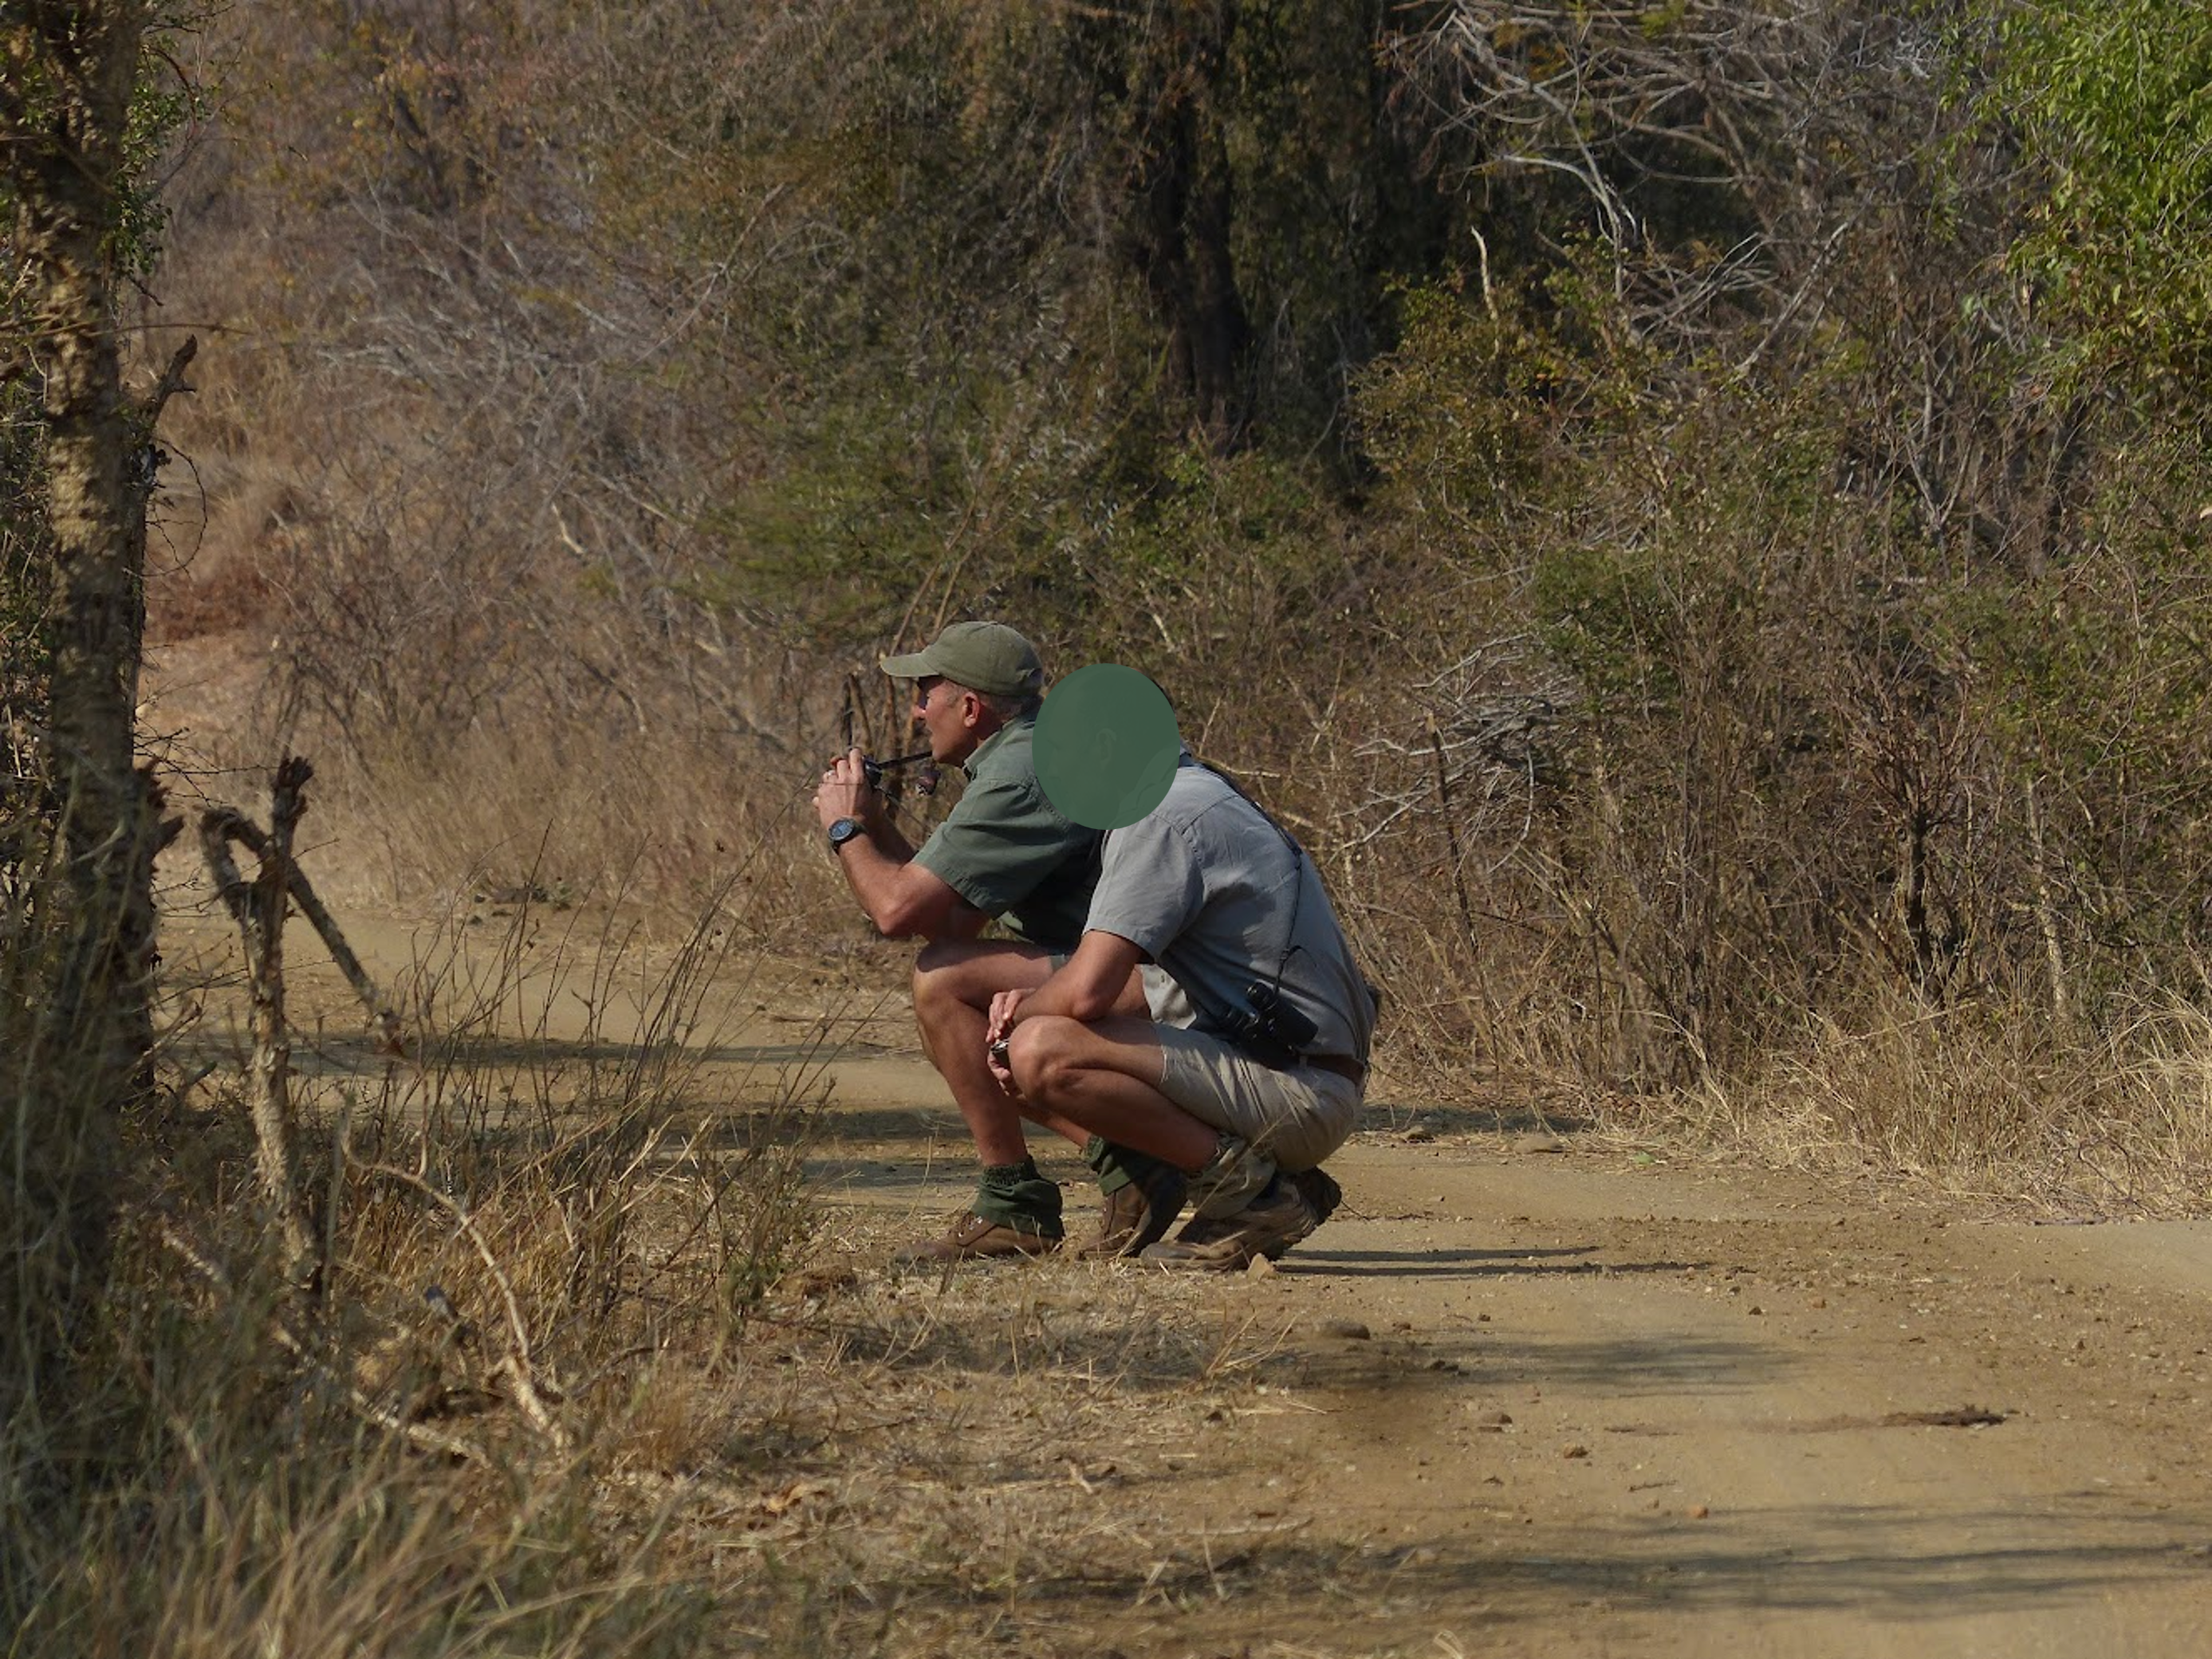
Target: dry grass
671,823
1989,1104
414,1463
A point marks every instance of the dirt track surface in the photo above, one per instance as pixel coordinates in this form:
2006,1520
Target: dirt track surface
1553,1394
1582,1401
1746,1417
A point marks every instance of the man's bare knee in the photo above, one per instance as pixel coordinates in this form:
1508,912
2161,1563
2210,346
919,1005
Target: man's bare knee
1052,1055
938,955
935,968
973,974
1039,1052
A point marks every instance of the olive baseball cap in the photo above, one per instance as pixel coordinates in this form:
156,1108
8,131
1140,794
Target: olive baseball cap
987,657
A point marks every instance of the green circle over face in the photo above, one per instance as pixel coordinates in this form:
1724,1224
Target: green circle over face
1106,746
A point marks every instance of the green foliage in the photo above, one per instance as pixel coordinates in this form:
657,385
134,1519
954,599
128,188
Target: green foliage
1672,534
959,315
2091,678
1460,416
164,109
1235,509
163,104
2114,103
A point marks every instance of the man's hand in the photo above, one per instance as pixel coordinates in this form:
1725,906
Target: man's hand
1004,1006
844,793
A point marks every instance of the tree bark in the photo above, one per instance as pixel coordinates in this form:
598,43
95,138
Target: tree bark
1184,213
69,71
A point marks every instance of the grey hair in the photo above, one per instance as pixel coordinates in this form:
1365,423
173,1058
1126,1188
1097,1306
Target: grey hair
1006,706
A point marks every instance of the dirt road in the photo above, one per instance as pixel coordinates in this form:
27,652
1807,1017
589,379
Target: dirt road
1529,1393
1544,1395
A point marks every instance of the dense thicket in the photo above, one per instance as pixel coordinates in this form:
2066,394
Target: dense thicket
1715,491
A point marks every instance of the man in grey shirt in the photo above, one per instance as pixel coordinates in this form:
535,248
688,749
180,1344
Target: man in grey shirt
1259,1077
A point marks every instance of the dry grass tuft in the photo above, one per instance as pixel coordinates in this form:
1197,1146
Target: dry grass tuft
1980,1103
526,1217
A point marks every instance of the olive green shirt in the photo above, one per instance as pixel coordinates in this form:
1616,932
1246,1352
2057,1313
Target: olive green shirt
1009,852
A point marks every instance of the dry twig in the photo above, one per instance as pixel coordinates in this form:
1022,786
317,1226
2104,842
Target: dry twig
235,826
516,1366
420,1434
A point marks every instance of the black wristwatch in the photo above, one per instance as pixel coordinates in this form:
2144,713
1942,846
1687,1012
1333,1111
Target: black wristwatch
844,830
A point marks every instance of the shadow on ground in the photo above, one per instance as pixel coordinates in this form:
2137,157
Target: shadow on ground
1880,1562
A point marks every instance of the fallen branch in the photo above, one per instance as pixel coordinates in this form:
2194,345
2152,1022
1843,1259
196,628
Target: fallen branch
516,1368
258,909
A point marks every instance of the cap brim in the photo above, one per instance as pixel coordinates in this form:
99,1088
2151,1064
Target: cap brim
910,667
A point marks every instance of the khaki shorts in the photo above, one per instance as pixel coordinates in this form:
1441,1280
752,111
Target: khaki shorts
1297,1117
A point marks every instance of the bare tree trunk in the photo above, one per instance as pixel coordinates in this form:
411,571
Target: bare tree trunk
64,103
1184,214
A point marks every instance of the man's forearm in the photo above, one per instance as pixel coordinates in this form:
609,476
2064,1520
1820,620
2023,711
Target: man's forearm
887,840
902,898
1089,985
872,869
900,895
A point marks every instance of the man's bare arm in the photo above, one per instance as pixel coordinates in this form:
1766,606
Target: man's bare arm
1095,979
904,899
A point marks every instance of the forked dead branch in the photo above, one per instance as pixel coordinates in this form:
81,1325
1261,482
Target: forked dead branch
258,907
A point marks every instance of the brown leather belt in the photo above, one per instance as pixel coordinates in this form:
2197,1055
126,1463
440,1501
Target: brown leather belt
1343,1065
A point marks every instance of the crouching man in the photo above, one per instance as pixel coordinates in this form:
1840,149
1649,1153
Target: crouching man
1006,852
1247,1089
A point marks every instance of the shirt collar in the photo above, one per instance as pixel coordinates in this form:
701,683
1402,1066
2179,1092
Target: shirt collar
1019,722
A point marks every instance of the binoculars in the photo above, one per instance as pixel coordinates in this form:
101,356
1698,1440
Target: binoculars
1269,1028
873,771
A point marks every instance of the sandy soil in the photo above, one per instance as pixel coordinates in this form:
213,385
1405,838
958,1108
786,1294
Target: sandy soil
1537,1391
1580,1401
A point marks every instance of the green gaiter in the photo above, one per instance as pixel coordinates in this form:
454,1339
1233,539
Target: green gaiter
1118,1166
1015,1195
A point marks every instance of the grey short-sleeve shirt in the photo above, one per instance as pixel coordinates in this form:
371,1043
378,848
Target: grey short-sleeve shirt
1204,886
1009,852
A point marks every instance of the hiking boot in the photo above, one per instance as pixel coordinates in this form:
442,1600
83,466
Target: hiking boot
1140,1214
1320,1191
971,1238
1267,1226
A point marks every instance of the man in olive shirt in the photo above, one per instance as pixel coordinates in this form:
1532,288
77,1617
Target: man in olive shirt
1007,852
